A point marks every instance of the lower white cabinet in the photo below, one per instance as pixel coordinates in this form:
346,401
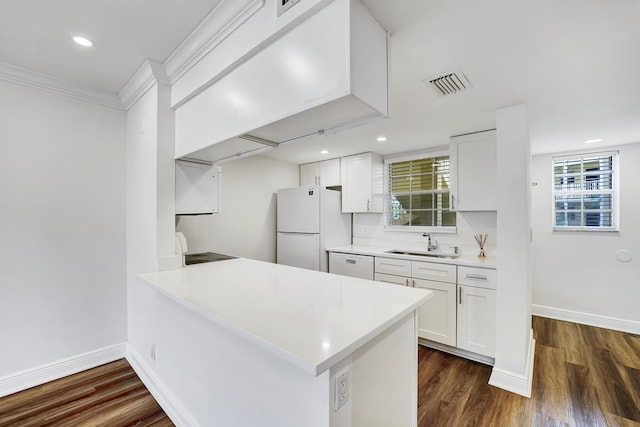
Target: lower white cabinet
477,320
390,278
437,316
462,311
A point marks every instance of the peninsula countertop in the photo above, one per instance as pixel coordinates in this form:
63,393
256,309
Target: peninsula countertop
308,318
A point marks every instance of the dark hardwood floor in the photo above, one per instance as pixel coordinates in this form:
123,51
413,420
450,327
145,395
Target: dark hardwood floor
109,395
583,377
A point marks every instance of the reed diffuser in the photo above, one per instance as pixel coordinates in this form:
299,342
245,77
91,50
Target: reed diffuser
481,239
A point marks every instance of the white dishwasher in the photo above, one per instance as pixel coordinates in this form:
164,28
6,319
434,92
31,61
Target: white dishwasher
360,266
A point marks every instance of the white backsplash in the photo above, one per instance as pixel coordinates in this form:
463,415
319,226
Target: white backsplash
369,229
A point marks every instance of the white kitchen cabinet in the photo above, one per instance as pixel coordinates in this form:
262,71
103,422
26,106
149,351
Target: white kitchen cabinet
197,188
473,179
477,320
394,266
437,316
362,183
477,310
390,278
325,173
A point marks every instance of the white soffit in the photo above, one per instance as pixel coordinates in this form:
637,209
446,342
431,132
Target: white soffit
226,16
221,21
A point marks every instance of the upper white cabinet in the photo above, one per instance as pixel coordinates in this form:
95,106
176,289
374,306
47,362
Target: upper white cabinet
327,72
473,179
325,173
197,188
362,183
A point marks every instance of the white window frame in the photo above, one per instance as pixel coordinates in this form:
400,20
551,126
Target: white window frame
412,228
614,191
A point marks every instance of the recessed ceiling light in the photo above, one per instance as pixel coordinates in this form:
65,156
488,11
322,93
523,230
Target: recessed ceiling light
324,152
381,139
82,41
592,141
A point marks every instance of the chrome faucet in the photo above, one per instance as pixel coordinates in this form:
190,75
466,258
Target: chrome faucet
430,247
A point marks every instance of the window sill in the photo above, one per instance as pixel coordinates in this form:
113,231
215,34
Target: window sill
588,229
418,229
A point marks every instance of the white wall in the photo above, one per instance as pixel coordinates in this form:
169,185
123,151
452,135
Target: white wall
62,251
246,225
368,229
576,274
513,369
150,203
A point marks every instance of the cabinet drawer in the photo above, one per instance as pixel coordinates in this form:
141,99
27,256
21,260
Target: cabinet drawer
477,277
398,267
390,278
434,271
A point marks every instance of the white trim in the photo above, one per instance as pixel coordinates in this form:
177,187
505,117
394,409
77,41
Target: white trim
52,371
224,19
414,155
512,381
171,405
33,79
597,320
480,358
583,154
149,73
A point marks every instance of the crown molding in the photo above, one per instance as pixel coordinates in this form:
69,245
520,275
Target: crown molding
225,18
149,73
36,80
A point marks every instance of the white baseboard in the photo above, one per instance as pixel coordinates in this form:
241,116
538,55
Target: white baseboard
514,382
597,320
457,352
52,371
167,401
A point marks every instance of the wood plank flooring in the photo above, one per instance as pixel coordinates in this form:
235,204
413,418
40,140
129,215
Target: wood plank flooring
109,395
583,377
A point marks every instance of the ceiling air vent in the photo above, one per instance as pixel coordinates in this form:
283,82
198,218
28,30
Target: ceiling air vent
448,83
284,5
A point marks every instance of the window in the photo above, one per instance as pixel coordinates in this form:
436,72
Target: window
585,195
418,191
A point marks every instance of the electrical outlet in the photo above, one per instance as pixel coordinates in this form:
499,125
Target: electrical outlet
153,352
341,389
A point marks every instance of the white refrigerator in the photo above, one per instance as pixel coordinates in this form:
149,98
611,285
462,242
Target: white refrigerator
309,220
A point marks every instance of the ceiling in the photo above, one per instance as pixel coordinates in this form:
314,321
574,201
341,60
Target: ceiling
36,35
575,64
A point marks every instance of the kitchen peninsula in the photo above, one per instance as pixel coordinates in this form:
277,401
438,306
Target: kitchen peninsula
244,342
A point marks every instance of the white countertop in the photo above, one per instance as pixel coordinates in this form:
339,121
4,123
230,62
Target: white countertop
308,318
465,259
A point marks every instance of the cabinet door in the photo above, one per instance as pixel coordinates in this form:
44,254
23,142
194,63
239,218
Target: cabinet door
308,174
329,173
390,278
197,188
477,320
473,179
356,183
437,316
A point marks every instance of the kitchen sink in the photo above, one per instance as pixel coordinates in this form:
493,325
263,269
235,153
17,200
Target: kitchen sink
433,254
